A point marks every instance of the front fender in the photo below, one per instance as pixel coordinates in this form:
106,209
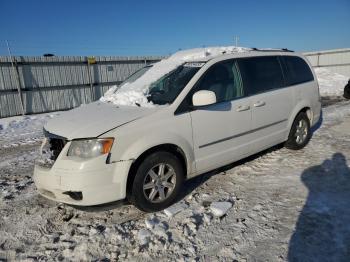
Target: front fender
141,145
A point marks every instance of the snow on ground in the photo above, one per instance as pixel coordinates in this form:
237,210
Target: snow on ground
23,130
136,92
275,206
331,84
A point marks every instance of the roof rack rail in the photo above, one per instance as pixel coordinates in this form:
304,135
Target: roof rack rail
272,49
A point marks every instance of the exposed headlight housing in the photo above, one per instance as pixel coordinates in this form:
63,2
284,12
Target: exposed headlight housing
89,148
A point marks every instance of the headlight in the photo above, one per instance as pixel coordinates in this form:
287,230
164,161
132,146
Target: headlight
89,148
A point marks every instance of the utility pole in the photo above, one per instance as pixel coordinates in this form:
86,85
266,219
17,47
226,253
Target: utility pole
15,68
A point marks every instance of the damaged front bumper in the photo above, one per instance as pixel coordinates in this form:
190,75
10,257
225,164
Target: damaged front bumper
82,182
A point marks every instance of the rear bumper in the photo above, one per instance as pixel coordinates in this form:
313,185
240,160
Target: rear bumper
102,184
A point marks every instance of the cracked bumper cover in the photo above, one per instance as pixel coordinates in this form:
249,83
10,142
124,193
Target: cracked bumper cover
97,181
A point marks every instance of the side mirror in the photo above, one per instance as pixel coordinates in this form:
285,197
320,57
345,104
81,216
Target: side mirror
203,98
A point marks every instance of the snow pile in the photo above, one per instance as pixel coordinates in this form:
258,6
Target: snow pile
136,92
220,208
174,209
331,84
144,236
20,130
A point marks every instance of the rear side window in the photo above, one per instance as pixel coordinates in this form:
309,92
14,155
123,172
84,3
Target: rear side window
297,70
260,74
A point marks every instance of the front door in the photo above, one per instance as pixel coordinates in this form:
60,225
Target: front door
221,131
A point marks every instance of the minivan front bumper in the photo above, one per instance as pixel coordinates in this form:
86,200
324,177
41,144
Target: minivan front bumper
83,183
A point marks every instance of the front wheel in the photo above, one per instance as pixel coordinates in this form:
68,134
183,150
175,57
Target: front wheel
300,132
157,182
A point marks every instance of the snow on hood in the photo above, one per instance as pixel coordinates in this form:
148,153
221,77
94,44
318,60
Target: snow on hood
331,84
136,92
93,119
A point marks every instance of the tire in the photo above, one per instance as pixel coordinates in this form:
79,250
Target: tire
151,191
347,91
300,132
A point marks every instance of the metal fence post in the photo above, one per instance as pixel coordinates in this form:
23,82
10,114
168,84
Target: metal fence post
15,68
89,62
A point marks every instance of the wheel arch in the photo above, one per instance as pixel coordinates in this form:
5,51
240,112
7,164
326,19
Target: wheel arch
304,107
167,147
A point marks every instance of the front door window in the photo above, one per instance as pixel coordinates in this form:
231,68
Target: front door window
224,80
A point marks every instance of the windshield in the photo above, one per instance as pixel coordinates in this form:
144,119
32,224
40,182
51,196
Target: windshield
163,82
167,88
136,75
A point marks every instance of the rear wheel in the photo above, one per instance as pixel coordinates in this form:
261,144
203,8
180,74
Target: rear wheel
157,182
300,133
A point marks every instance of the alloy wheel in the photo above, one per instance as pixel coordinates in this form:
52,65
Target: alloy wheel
301,131
159,183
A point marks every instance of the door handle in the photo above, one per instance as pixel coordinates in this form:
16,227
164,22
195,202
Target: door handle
242,108
259,103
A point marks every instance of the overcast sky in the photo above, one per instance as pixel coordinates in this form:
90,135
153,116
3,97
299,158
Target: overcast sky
67,27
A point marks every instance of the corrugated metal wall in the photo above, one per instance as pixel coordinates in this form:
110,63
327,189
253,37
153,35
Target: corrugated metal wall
60,83
337,60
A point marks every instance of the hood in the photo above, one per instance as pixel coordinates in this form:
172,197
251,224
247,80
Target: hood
94,119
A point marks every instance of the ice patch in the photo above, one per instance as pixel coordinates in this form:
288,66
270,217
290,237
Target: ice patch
220,208
151,222
174,209
144,236
161,229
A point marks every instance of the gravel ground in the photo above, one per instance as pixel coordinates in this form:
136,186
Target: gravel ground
275,206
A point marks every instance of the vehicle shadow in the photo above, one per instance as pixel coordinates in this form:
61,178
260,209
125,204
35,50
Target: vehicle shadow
193,183
189,185
318,124
102,207
322,232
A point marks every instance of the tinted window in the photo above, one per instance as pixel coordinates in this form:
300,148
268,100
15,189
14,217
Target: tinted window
297,70
223,79
260,74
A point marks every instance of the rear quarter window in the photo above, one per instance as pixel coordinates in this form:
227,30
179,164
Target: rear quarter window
297,71
260,74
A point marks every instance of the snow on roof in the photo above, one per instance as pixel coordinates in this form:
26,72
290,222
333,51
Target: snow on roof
136,92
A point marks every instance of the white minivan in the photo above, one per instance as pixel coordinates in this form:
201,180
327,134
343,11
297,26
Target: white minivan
177,119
